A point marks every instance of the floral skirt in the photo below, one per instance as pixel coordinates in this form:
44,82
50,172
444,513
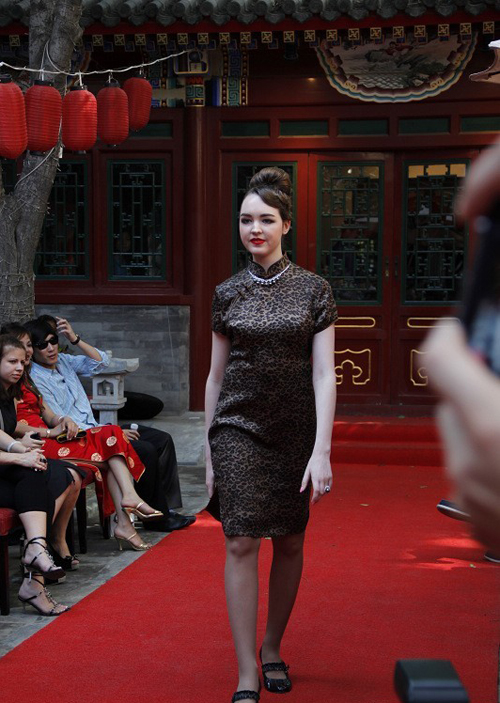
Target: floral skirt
99,445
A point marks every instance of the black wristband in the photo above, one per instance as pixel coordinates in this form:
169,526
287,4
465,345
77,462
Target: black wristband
76,340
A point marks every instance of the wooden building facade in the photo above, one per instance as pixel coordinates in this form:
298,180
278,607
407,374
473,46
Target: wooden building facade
153,222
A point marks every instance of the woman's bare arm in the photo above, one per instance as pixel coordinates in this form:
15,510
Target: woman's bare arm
221,347
325,393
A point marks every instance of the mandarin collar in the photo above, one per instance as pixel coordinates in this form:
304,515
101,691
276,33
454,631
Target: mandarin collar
275,268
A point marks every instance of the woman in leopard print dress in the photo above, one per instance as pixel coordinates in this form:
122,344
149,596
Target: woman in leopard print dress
269,420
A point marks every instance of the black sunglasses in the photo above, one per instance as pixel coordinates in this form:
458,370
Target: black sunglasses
54,340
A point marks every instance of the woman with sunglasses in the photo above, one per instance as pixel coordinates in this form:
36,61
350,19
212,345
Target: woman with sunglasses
108,451
43,492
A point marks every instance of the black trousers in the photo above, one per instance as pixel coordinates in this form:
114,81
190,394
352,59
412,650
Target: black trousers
159,485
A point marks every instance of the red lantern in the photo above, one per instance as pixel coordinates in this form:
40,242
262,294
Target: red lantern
43,116
140,93
13,129
79,119
112,114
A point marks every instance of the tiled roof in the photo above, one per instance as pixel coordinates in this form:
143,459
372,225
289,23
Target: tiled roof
137,12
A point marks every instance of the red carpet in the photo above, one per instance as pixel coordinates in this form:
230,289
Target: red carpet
386,577
387,440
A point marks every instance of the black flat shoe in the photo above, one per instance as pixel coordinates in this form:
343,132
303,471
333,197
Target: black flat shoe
275,685
241,695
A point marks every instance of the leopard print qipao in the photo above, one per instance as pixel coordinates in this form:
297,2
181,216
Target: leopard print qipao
264,427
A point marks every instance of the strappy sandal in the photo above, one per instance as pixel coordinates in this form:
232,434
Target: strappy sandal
142,547
156,515
52,574
53,612
275,685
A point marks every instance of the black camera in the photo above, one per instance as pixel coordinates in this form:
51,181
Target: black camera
428,681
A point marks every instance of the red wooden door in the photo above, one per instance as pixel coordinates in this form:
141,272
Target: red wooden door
351,220
431,254
380,227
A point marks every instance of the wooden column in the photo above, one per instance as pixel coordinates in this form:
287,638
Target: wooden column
197,238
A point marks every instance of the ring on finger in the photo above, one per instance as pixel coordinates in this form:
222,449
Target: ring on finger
327,489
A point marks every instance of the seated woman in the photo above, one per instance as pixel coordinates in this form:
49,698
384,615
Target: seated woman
105,448
39,490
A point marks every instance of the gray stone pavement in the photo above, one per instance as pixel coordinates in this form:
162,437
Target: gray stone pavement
103,559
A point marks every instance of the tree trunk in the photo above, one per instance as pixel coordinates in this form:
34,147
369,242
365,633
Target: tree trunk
53,24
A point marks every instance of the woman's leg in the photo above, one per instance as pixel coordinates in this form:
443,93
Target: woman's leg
34,523
286,571
124,528
242,590
63,511
33,502
130,498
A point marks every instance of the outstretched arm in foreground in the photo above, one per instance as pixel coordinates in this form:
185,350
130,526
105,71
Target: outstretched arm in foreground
469,421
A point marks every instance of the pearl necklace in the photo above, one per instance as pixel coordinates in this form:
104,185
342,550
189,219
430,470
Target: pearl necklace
268,281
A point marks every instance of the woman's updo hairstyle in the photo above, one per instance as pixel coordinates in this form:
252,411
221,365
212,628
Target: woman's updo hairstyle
274,187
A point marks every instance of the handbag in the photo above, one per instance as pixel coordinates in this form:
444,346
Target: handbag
63,437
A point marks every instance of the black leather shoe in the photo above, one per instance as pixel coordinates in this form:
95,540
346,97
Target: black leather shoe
241,695
491,556
451,509
275,685
177,516
245,695
172,521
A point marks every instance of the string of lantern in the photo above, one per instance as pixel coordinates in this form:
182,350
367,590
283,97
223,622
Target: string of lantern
37,119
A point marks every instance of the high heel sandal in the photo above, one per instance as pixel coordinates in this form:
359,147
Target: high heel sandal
241,695
143,547
52,613
52,574
69,563
156,515
275,685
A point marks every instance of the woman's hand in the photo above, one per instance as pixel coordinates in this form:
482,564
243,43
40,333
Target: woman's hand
33,459
66,425
29,442
319,471
209,476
